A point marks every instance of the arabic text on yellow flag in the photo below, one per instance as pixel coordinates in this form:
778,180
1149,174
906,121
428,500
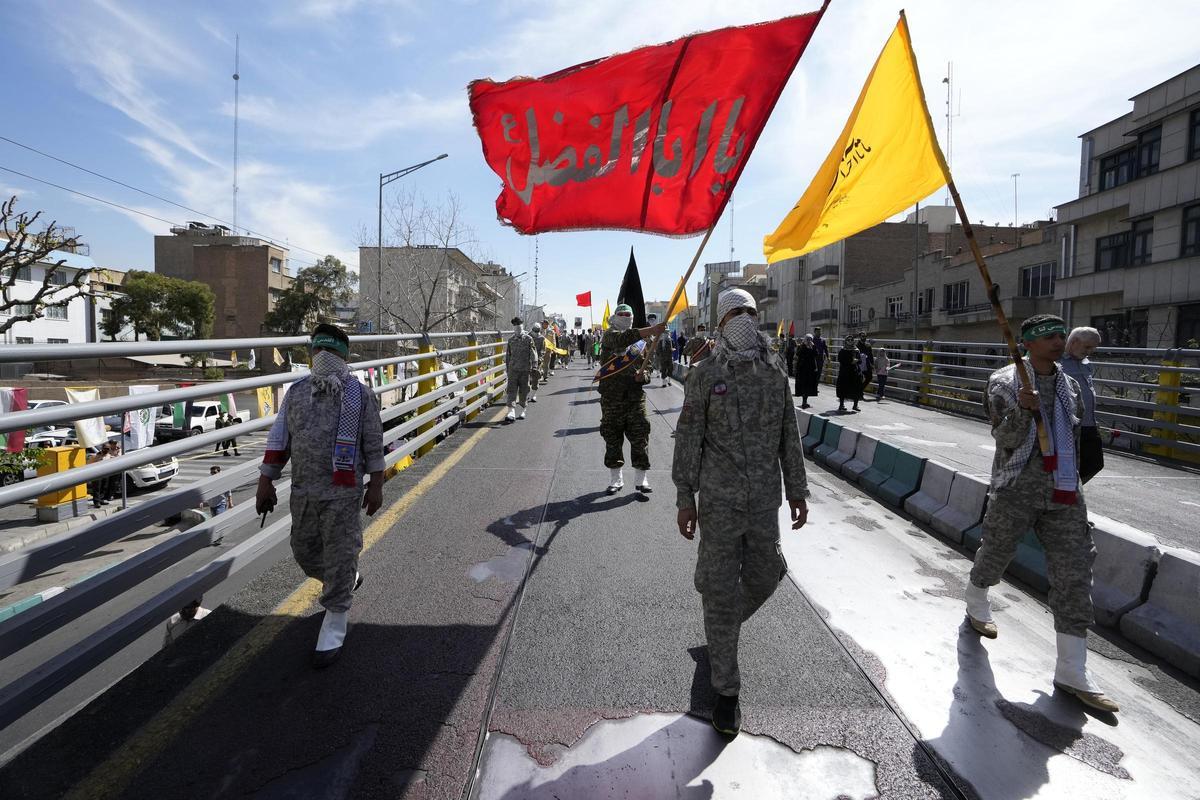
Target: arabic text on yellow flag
604,319
681,304
266,401
886,159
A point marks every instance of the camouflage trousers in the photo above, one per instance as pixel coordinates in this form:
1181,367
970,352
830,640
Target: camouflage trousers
326,541
738,567
518,386
624,418
1066,538
535,378
666,366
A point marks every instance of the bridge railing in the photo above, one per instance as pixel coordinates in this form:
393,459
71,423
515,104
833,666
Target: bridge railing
439,389
1146,398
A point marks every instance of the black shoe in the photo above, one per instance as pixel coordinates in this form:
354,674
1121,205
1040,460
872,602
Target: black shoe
856,406
323,658
103,502
236,453
806,405
727,715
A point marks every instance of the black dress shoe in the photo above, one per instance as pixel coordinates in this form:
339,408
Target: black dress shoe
727,715
323,658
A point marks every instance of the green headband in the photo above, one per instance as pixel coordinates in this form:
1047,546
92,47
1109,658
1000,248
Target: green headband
331,342
1044,329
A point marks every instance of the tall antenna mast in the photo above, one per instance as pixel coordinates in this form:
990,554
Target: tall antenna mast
731,228
950,115
535,272
237,42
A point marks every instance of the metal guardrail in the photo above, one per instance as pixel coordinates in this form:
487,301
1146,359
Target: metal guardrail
431,403
1145,397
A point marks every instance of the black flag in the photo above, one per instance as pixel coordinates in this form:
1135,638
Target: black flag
631,293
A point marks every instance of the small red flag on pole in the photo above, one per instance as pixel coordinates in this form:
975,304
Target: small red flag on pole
584,300
651,140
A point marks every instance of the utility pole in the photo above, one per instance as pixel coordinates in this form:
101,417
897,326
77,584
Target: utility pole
237,45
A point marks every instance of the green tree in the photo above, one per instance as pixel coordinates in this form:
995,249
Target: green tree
154,305
311,298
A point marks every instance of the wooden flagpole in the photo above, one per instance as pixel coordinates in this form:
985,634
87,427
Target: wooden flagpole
993,295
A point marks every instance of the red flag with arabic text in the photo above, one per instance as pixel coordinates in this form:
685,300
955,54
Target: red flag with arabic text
584,300
651,140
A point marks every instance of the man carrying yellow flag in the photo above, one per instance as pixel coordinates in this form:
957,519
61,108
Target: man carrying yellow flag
886,159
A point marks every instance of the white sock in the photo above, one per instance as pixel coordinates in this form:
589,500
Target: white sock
640,478
333,630
616,479
978,606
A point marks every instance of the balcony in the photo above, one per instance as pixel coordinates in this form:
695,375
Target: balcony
824,315
1015,308
826,274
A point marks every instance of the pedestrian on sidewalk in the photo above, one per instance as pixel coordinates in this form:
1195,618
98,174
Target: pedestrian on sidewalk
536,376
229,422
219,424
822,350
105,489
519,360
849,379
883,365
866,360
623,403
1033,488
666,360
807,370
1081,343
329,427
736,434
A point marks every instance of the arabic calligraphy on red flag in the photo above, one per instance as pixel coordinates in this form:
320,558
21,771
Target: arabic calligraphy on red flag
650,140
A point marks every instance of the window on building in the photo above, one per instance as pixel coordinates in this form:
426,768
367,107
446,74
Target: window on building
57,341
1117,168
24,340
1148,146
56,312
1038,280
1187,332
20,309
276,264
1190,236
895,306
1194,136
855,315
25,273
60,278
955,295
1113,330
1112,252
925,301
1141,241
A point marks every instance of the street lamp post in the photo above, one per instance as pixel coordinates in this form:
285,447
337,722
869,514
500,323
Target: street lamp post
384,180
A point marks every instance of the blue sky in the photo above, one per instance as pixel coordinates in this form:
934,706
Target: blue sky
333,92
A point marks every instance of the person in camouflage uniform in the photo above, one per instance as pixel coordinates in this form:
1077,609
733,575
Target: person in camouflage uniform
623,403
317,413
698,346
535,370
1038,490
666,358
550,358
736,436
519,360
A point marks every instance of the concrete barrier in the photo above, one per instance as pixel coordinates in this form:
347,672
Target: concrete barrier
1168,624
802,419
906,477
845,451
933,494
963,510
816,429
829,442
864,454
881,467
1126,561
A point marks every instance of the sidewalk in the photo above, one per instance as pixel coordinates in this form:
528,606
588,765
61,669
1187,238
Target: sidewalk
1160,500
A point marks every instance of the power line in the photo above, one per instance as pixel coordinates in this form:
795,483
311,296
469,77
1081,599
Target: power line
110,202
160,198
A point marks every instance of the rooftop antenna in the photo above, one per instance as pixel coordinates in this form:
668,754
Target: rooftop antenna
237,41
535,272
731,228
950,115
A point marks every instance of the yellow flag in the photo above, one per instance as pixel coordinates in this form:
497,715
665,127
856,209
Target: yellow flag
266,402
681,304
886,159
233,359
604,319
779,330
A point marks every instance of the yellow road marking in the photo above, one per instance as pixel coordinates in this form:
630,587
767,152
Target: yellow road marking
113,775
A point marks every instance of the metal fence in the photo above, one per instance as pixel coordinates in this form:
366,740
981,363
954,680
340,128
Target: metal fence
1145,398
133,598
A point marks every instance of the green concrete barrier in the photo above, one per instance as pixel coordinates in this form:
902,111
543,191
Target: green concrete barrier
905,479
816,429
829,442
881,467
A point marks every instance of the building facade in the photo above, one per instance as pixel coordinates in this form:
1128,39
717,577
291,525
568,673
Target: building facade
246,274
1130,243
74,323
432,288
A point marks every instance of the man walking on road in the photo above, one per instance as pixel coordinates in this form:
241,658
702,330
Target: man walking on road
666,361
535,369
1032,488
736,434
623,403
328,426
1081,343
519,360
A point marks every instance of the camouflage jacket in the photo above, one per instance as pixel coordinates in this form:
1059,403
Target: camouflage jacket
521,354
623,384
736,433
312,424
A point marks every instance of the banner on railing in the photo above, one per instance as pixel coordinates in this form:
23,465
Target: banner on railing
13,400
141,422
89,431
266,401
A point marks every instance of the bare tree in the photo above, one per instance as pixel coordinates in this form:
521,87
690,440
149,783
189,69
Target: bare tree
430,269
22,249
